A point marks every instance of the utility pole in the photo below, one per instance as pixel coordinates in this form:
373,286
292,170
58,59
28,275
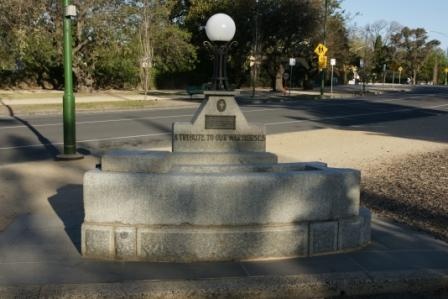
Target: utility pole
322,71
69,98
446,75
255,62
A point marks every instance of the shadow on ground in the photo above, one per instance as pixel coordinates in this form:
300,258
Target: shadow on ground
24,149
427,124
68,205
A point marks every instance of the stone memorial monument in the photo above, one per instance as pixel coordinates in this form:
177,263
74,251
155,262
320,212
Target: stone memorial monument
218,196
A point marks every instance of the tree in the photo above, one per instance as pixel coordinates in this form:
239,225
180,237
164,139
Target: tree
338,40
413,48
285,28
381,56
26,40
107,41
373,44
164,47
433,69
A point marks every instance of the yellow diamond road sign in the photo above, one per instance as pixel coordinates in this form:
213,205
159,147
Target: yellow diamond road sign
321,50
400,69
446,70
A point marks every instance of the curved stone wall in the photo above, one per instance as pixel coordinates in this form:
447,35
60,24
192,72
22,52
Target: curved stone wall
187,243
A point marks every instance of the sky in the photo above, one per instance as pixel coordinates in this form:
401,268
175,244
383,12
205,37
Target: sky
432,15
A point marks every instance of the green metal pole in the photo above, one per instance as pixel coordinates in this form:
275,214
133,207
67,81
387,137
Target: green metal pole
322,71
69,98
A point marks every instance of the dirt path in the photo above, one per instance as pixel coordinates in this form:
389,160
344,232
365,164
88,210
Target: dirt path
347,148
402,179
412,190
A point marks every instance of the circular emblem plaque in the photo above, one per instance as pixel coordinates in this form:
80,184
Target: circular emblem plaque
221,105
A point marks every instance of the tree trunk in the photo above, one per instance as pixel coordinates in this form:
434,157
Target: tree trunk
414,77
435,73
279,79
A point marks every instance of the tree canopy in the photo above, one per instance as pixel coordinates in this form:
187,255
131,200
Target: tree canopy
157,43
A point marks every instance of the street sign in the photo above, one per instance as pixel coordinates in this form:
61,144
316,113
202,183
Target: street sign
292,61
333,61
321,50
322,61
446,70
252,61
361,62
400,69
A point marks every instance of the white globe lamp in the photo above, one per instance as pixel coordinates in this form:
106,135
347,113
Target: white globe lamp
220,28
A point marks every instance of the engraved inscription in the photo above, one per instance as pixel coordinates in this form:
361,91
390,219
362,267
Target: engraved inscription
220,122
219,137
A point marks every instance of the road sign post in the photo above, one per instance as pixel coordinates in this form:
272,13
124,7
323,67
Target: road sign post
332,63
292,62
320,51
361,66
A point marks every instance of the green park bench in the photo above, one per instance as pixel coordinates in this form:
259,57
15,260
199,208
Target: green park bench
196,89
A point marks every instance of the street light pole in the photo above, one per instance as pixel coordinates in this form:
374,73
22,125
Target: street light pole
254,67
69,98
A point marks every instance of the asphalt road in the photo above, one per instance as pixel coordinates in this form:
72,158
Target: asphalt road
421,113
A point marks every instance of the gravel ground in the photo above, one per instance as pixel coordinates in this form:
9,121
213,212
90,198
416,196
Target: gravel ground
412,191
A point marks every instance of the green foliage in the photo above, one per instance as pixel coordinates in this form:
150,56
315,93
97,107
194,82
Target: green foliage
117,68
173,51
111,39
433,69
105,42
286,29
412,49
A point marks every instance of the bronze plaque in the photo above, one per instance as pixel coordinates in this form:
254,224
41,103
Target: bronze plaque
220,122
221,105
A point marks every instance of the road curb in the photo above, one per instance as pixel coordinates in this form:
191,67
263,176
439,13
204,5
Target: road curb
335,285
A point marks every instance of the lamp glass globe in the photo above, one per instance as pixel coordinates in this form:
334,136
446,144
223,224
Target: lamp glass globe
220,27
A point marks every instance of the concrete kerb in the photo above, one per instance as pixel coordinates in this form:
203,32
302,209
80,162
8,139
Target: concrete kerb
295,286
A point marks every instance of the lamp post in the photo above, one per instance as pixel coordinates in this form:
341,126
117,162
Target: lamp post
220,29
69,98
322,71
255,62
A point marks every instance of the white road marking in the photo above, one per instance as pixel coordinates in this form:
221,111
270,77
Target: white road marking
85,141
350,115
267,124
59,124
